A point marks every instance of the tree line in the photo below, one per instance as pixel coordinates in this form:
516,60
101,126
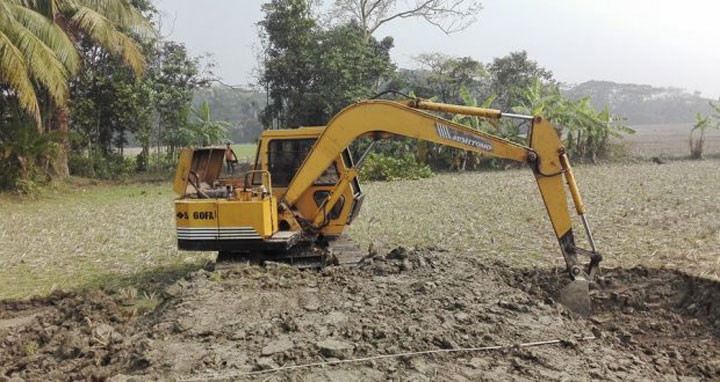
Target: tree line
81,80
310,71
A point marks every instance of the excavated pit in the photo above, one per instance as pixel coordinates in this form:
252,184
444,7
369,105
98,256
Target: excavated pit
650,324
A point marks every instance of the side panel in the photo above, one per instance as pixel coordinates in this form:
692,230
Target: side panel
225,219
196,220
182,172
245,220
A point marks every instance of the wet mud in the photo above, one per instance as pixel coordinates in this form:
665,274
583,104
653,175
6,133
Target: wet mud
232,324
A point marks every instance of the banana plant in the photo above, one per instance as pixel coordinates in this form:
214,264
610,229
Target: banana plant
697,144
204,130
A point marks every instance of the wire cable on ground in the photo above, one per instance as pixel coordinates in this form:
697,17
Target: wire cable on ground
215,377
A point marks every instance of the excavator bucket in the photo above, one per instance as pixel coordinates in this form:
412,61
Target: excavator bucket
576,297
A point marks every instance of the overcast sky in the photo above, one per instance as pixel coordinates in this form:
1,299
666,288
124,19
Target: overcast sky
657,42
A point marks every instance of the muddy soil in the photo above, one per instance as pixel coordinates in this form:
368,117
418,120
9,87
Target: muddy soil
231,324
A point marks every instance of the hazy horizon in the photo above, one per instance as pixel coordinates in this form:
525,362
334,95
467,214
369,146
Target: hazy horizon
659,43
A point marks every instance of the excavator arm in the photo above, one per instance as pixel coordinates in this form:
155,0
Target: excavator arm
545,155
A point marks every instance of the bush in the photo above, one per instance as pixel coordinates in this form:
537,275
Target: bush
386,167
100,166
25,154
162,163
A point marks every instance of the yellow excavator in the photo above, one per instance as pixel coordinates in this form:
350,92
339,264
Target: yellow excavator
303,190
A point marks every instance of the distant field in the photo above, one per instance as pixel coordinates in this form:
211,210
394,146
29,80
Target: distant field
668,141
245,151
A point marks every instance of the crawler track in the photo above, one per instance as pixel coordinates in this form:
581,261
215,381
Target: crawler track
341,251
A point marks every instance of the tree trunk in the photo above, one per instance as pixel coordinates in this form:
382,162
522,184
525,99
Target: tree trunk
62,124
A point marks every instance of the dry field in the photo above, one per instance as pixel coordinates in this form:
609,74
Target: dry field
91,236
115,236
486,275
273,323
657,215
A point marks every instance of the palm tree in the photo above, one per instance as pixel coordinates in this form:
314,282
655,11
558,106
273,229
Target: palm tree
697,145
37,44
34,50
107,23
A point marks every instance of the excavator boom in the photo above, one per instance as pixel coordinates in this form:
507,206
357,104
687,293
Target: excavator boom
380,118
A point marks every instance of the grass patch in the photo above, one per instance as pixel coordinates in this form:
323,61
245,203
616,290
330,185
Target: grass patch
109,236
31,348
123,235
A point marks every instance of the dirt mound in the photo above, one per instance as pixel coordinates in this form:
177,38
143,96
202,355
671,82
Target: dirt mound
670,317
666,317
68,336
649,324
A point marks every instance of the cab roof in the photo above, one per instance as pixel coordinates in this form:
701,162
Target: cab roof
302,132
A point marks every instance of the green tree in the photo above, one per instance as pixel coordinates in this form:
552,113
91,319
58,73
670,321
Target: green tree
110,105
512,74
444,77
289,38
349,68
34,50
111,25
38,41
175,76
310,73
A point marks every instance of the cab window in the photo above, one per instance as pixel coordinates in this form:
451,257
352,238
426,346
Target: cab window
285,156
